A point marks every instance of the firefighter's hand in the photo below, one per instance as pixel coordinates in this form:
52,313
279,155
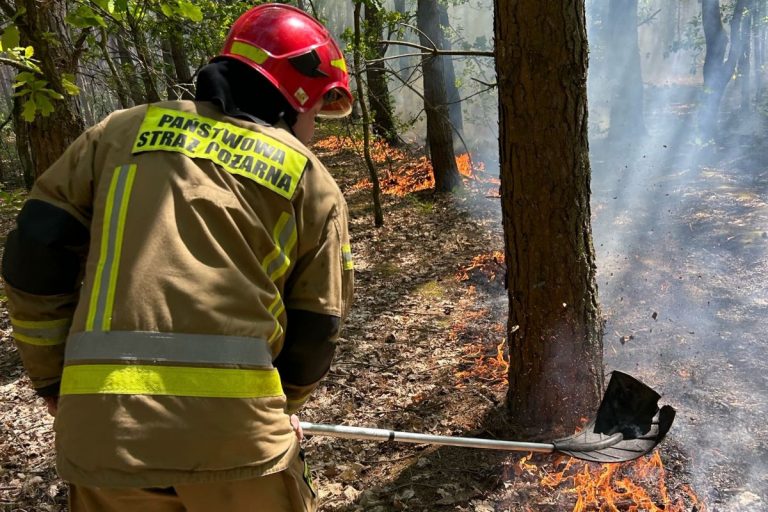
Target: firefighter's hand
296,425
52,402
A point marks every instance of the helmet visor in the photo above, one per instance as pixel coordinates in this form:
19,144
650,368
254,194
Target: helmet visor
336,103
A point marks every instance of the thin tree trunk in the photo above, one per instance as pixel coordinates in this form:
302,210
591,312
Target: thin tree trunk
717,69
378,91
439,132
128,71
181,63
554,330
745,69
122,93
451,90
169,70
378,215
145,60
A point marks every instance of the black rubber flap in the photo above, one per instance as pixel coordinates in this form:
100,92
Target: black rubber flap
628,425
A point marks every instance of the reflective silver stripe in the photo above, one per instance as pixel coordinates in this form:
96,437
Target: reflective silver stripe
47,332
102,295
159,347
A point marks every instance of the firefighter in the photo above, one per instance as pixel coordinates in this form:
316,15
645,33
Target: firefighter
178,278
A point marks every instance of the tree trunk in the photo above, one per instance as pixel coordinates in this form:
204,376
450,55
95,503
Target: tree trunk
378,215
122,93
378,91
717,69
758,51
181,63
439,133
145,60
626,118
554,330
128,69
43,140
451,90
168,70
744,65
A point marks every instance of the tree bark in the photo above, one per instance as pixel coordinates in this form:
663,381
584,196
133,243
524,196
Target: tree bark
42,141
145,60
122,93
378,91
378,215
128,71
717,69
626,117
181,62
554,329
439,133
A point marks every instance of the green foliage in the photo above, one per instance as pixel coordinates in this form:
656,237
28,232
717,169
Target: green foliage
37,93
84,16
10,37
11,201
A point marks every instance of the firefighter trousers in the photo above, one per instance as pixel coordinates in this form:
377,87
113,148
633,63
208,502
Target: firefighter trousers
287,491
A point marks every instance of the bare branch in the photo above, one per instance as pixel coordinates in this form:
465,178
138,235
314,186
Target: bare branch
436,51
649,18
18,65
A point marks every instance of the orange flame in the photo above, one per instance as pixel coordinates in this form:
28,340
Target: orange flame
638,485
490,370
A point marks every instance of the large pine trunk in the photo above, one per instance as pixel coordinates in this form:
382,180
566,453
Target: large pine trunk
554,330
439,132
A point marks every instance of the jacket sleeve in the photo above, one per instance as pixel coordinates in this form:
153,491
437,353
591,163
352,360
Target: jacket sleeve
317,302
43,262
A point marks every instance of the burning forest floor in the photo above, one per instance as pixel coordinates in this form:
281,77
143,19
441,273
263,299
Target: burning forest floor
424,349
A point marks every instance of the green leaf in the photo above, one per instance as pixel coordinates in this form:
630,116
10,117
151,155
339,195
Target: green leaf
53,94
107,5
68,83
44,105
23,78
167,10
10,38
29,52
83,17
190,11
28,113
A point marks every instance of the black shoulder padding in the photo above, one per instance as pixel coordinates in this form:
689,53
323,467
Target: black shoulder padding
45,253
309,347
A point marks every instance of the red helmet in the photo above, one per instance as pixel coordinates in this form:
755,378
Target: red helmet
294,52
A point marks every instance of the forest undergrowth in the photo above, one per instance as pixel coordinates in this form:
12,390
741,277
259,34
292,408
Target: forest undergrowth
423,350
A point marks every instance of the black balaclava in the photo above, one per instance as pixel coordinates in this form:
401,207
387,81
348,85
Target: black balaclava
243,92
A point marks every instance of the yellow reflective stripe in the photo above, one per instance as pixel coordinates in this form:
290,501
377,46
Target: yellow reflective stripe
276,309
169,380
41,342
42,333
118,247
277,262
239,151
249,51
346,255
113,225
340,64
41,324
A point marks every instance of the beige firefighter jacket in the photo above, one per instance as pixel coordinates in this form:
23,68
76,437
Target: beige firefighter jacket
203,230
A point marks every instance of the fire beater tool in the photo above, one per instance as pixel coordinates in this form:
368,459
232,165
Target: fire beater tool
628,425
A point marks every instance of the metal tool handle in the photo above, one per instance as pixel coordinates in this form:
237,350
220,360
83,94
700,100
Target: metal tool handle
379,434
